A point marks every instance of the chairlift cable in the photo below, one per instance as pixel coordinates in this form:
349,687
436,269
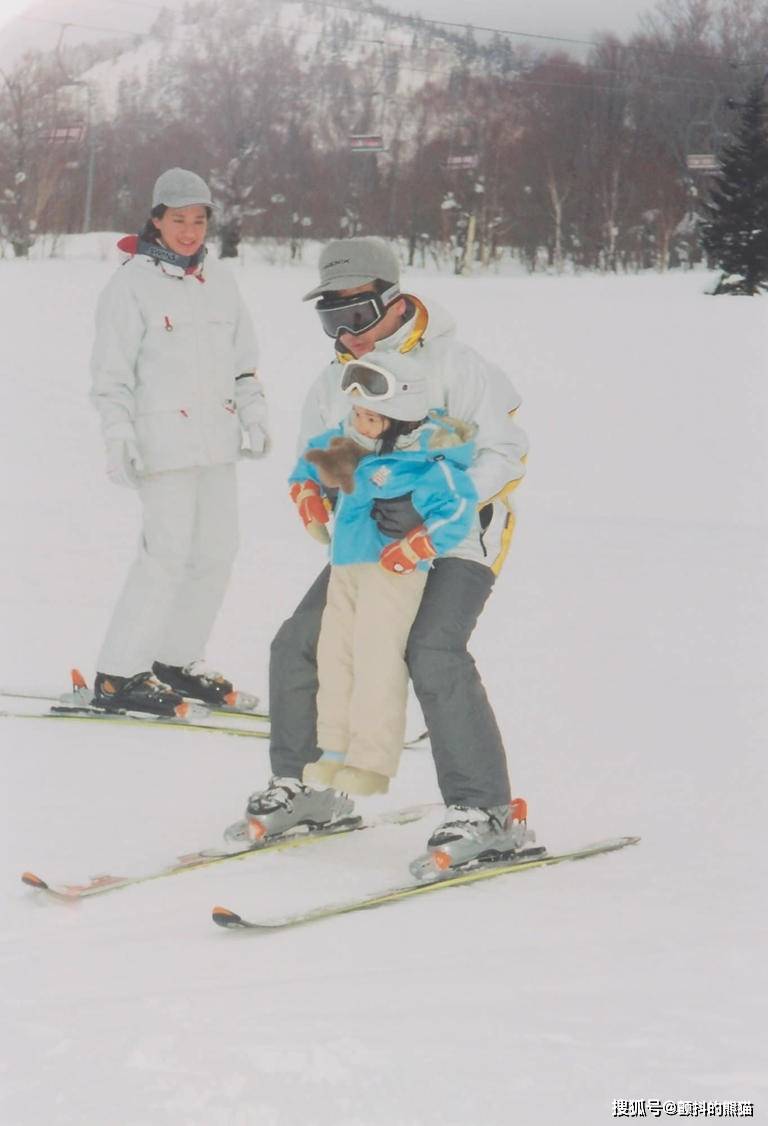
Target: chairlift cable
335,4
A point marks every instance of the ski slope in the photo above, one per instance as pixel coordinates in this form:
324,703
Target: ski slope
624,647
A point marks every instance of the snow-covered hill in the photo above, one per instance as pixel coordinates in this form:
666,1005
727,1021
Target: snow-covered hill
39,26
87,22
399,52
625,649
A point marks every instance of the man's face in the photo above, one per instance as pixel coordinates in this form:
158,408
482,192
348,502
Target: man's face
363,343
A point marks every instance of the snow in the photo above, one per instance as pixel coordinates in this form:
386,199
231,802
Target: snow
625,651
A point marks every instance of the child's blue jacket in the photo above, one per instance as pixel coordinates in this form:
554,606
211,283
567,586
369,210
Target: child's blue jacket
437,479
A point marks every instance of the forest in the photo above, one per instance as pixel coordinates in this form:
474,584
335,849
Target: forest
316,119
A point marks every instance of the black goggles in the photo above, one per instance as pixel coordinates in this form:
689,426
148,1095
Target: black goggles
356,314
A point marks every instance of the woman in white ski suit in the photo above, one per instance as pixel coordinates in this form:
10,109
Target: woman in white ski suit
175,384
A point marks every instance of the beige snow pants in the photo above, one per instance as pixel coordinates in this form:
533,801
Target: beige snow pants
361,699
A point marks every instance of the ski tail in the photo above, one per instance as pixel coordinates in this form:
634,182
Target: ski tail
223,917
78,680
33,881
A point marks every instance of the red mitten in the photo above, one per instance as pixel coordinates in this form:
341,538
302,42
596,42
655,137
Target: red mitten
311,508
404,555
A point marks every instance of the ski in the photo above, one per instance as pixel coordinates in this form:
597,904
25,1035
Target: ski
520,862
95,715
65,707
90,715
81,696
203,858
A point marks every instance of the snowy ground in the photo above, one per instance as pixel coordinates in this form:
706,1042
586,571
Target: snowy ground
625,648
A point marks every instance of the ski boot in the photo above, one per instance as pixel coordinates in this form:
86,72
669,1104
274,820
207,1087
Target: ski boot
470,835
140,693
197,681
288,804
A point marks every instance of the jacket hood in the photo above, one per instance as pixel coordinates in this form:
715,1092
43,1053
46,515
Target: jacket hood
440,436
157,253
450,438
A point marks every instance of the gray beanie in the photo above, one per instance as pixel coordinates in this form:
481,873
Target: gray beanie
410,401
346,263
180,188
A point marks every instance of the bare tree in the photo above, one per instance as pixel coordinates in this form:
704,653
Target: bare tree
33,154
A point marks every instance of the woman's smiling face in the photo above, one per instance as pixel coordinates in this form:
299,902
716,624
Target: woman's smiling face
183,229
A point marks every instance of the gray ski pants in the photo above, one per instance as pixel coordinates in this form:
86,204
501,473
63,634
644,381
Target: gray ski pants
466,744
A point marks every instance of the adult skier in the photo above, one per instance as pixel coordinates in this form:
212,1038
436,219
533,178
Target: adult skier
362,310
175,384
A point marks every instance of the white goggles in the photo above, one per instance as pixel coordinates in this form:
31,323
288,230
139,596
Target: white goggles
369,381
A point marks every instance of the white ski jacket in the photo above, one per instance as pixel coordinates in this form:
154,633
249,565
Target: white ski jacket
169,349
469,388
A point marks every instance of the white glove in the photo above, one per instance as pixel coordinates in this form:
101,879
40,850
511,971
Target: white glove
258,442
124,464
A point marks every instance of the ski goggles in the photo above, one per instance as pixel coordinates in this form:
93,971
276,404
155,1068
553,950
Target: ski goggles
356,314
369,381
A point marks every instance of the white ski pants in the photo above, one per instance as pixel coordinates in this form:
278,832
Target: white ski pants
178,581
363,677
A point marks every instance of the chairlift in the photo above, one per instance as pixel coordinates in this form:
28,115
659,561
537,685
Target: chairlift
65,135
701,147
702,162
461,162
368,135
68,114
462,148
366,142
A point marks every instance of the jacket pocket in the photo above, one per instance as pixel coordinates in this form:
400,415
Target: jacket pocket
168,439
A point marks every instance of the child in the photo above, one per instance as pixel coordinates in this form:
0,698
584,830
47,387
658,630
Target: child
174,380
389,445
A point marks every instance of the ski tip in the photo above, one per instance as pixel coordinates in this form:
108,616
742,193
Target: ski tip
223,917
33,881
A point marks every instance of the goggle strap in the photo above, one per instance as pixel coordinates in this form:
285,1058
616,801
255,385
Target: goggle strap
390,294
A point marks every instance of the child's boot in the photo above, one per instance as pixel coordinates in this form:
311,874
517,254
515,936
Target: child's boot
354,780
324,771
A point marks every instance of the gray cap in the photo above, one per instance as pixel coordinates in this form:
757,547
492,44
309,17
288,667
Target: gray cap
347,263
410,402
180,188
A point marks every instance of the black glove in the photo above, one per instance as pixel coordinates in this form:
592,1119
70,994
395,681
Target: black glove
396,517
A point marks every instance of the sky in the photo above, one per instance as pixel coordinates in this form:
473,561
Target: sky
11,8
546,17
578,19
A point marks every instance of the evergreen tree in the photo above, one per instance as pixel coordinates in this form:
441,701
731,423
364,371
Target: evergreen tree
735,233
